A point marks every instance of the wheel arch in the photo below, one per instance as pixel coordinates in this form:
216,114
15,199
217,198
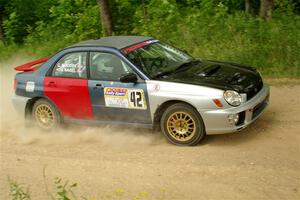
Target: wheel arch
31,102
161,109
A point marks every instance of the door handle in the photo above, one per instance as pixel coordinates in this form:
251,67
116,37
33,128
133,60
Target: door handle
51,84
98,85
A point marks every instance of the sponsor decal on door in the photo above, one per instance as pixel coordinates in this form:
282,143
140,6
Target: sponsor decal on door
125,98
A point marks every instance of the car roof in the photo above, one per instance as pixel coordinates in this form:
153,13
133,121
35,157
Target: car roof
118,42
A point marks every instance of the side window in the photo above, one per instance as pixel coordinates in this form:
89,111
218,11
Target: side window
107,67
72,65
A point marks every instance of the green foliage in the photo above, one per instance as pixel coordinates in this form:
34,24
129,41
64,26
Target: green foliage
123,15
70,21
158,22
270,46
75,17
209,29
12,28
17,191
19,17
214,34
64,190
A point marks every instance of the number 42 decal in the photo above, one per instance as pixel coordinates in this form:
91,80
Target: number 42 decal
137,99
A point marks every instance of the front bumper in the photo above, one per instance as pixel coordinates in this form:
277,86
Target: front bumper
217,122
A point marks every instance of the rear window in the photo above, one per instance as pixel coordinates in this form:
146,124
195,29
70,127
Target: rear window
72,65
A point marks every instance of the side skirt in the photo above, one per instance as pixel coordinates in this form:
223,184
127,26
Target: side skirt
113,123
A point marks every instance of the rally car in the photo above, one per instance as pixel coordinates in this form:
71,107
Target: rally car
142,82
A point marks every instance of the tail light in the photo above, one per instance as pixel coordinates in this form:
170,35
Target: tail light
15,84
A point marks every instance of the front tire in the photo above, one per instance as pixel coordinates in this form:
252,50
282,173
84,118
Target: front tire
182,125
45,115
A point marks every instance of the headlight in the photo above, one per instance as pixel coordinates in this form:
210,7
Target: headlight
232,97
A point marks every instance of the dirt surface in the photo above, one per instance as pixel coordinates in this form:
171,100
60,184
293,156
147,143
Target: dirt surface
260,162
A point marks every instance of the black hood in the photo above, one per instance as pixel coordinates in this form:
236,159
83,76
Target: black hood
221,75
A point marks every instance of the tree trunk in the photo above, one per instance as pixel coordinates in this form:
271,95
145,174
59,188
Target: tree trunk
266,7
1,29
248,6
144,10
106,19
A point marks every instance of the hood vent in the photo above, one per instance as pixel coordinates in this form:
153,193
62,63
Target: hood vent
209,71
236,78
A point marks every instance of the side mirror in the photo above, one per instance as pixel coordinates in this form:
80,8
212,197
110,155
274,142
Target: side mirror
129,78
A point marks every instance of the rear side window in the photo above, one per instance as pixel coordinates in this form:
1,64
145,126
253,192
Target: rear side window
107,67
72,65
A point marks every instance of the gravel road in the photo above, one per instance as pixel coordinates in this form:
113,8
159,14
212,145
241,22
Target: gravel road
260,162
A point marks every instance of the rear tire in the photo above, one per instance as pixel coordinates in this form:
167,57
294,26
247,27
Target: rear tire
182,125
45,115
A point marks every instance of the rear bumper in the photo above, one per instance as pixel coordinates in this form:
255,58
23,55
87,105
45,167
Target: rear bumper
20,103
217,122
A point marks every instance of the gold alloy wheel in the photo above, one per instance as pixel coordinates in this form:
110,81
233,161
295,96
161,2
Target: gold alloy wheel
44,116
181,126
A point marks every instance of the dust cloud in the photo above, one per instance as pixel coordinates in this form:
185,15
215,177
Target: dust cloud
12,123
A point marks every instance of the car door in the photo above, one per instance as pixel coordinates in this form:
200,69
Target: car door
67,86
113,100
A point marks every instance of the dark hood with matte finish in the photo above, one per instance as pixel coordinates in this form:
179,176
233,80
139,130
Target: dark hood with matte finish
221,75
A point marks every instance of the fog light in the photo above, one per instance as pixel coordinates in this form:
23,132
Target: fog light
233,119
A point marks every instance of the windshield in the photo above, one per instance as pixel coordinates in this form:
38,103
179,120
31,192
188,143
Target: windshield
158,58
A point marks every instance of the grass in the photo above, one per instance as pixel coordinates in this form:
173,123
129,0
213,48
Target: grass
64,190
17,191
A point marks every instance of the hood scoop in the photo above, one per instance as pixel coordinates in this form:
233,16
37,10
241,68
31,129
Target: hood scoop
209,71
237,78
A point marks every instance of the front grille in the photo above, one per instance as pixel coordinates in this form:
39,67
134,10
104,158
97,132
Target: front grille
255,88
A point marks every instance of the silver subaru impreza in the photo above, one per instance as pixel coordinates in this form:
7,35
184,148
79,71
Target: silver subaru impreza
142,82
